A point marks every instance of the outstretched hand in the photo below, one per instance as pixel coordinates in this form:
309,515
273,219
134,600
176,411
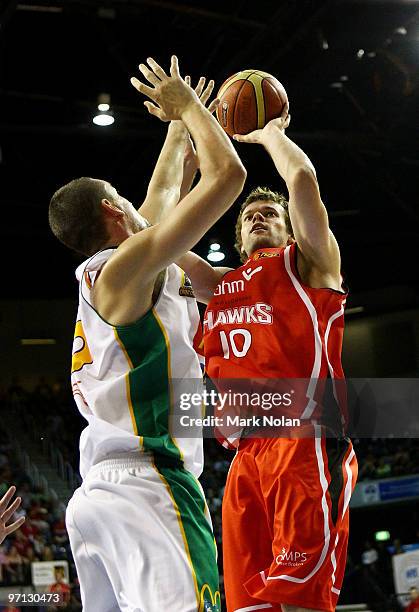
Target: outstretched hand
6,512
170,95
256,137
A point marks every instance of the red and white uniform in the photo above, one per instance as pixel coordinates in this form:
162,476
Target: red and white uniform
285,509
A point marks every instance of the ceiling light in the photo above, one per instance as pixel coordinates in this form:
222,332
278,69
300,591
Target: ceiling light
336,85
402,31
344,78
103,119
215,256
360,53
371,54
325,44
215,246
103,107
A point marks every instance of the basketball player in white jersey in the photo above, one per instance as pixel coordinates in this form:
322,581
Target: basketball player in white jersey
6,513
138,526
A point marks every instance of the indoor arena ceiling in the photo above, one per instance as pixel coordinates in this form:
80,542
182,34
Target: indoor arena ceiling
351,70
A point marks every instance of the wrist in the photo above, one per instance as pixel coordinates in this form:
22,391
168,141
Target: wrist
193,107
177,127
271,134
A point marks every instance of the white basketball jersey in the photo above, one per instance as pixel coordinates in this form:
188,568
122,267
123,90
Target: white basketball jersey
122,375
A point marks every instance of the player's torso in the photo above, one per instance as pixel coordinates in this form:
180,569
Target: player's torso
263,322
122,375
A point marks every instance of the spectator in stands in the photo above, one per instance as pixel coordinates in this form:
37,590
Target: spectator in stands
397,547
369,556
414,600
383,469
367,470
14,568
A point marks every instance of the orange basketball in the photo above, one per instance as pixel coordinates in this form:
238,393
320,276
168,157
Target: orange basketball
249,100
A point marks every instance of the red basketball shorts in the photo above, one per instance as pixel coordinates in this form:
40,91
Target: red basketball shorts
286,522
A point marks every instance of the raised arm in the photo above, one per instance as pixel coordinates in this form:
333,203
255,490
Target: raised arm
176,166
164,187
138,260
309,219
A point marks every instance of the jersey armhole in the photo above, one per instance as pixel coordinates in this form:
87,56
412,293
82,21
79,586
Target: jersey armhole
294,267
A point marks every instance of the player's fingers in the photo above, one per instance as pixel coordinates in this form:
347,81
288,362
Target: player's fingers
243,137
200,86
154,110
4,501
174,67
10,510
13,526
149,74
207,92
212,107
157,69
285,110
144,89
188,80
287,121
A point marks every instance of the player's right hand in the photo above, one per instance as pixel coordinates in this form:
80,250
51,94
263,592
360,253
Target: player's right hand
171,96
6,512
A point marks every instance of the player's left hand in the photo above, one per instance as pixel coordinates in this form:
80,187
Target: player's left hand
257,136
6,512
203,93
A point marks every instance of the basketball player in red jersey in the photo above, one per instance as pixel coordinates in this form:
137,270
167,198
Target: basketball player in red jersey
280,316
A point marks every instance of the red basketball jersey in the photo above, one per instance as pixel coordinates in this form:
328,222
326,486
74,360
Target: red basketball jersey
263,322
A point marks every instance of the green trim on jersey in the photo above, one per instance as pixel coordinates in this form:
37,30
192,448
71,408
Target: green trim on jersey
199,539
149,381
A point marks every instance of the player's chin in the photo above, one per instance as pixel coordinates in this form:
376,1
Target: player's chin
261,242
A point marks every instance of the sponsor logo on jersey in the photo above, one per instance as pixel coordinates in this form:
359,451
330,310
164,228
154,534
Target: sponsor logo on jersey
265,254
227,287
236,286
81,351
291,558
186,289
259,313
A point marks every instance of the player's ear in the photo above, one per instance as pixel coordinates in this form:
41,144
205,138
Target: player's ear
110,209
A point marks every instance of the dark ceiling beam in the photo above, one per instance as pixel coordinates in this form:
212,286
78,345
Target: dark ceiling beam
123,6
277,29
297,33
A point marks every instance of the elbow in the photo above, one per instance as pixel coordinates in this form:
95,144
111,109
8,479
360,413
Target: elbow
303,174
236,173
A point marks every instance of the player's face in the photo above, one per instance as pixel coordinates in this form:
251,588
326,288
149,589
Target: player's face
134,221
263,226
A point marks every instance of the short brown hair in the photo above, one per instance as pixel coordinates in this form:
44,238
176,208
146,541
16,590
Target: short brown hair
260,193
75,215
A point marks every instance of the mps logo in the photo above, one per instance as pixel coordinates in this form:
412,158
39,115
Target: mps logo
186,289
291,558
